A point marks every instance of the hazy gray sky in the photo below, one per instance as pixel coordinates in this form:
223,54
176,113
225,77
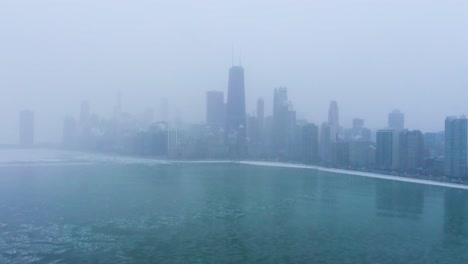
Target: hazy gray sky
371,56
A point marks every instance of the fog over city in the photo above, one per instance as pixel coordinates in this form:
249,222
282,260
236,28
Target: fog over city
370,56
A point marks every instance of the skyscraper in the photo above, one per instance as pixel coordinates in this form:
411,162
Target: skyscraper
387,150
215,109
260,109
456,147
396,120
326,140
26,128
310,140
333,115
260,119
281,120
235,111
411,147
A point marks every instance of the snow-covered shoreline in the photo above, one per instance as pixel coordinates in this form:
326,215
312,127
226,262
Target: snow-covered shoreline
14,158
356,173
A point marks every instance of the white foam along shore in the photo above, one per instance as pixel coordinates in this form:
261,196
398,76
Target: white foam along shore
357,173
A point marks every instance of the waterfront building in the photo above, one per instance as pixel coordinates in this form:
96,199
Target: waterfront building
387,150
434,144
411,150
329,134
456,147
359,152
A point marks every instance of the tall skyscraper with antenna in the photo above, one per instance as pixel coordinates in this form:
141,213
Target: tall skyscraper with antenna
235,111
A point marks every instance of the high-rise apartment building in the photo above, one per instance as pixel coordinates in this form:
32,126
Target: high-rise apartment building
387,150
456,147
411,150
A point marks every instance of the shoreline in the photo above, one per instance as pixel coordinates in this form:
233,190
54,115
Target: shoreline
355,173
87,158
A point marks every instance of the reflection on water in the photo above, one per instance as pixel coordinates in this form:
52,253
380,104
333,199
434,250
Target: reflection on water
455,217
211,213
398,199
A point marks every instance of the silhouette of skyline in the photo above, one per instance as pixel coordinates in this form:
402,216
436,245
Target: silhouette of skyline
363,58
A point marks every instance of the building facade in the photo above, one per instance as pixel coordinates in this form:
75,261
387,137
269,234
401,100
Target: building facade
387,150
456,147
236,134
411,148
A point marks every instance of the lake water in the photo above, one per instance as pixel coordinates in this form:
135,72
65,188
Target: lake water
58,207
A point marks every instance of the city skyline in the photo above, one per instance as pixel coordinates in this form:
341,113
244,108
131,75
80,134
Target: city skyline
332,115
364,58
233,131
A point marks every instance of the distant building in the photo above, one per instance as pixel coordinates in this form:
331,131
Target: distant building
326,140
26,128
396,120
235,113
411,147
333,114
268,131
281,120
175,144
358,131
260,118
434,144
456,140
215,109
329,134
359,152
260,109
341,153
294,134
252,128
387,150
153,141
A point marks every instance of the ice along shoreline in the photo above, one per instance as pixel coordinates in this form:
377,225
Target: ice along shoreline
355,173
409,179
